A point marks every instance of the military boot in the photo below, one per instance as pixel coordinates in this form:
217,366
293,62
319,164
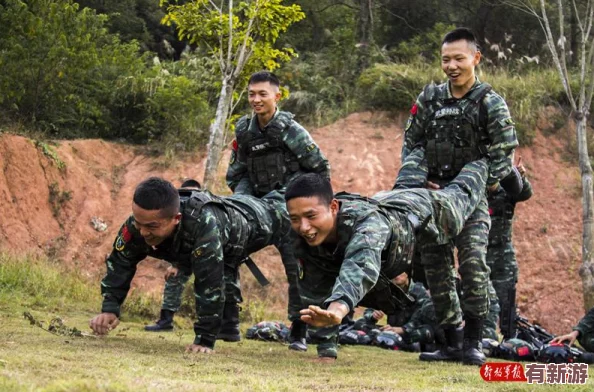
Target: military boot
451,351
230,326
472,347
297,339
165,322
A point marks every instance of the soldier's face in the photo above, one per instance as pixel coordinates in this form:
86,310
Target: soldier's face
153,227
313,219
263,97
458,60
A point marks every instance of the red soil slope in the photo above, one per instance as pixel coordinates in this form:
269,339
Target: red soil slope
364,151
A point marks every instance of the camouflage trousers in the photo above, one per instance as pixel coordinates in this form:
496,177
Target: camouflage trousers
174,287
292,271
491,321
443,213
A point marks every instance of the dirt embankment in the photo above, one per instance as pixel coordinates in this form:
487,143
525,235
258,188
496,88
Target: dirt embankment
47,210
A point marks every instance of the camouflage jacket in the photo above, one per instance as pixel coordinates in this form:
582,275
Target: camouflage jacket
586,324
223,231
297,142
500,130
364,250
414,316
501,209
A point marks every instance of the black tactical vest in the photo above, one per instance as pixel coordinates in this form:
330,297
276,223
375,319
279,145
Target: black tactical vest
269,160
456,134
191,203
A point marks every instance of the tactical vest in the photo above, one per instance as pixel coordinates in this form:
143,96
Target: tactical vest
455,134
191,203
269,160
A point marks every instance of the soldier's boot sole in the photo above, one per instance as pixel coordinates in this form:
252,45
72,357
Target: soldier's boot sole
298,345
158,328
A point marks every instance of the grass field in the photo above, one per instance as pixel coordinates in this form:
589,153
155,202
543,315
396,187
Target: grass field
130,359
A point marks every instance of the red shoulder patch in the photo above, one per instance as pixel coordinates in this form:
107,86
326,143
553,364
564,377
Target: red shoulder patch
414,109
234,145
126,235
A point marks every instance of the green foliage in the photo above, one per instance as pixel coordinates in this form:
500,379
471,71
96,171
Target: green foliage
58,198
424,47
49,152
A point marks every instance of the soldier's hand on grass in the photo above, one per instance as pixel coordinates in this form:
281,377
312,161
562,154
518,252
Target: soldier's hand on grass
103,323
196,348
318,317
432,185
171,272
377,315
569,338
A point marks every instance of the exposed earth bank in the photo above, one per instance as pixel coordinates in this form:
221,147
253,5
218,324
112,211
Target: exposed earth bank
48,209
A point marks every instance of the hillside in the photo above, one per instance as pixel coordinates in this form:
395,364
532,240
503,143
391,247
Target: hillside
49,210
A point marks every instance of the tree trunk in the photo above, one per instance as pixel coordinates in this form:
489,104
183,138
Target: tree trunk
587,268
217,133
364,33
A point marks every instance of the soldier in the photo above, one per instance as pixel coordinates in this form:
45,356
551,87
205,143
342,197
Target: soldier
459,121
415,323
583,332
351,247
175,280
206,235
269,150
501,256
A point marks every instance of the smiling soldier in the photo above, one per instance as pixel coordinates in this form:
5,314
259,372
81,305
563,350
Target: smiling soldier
457,122
269,150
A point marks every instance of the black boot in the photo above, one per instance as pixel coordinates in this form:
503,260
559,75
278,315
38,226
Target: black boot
297,340
230,326
452,351
165,322
473,348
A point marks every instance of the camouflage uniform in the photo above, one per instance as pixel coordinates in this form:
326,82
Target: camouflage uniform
375,242
455,131
586,330
501,257
211,240
417,320
174,288
266,159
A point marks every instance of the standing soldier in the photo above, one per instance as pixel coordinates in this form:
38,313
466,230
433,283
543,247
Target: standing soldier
352,248
457,122
501,256
204,235
269,150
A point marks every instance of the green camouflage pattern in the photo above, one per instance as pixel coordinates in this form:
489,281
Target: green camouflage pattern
501,256
349,272
414,319
500,128
586,329
211,244
173,290
296,139
490,324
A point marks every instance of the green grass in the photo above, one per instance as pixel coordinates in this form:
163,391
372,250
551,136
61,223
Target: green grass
130,359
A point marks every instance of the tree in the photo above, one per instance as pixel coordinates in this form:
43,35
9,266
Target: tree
241,37
580,100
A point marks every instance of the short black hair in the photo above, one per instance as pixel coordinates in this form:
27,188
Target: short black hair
461,33
264,76
191,183
155,193
310,185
